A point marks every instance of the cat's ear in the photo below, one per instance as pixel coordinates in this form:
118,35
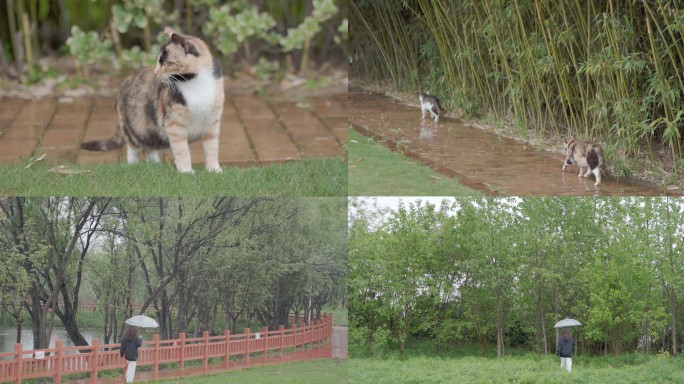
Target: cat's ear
188,47
178,39
168,31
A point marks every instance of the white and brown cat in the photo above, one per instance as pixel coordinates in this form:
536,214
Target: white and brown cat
177,102
430,103
585,155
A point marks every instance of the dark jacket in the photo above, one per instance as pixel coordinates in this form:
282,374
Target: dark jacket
564,348
129,348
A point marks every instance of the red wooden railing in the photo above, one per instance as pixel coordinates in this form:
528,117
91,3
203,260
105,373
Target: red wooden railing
62,360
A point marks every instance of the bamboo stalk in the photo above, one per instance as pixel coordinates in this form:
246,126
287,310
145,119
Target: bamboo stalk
16,49
591,67
27,44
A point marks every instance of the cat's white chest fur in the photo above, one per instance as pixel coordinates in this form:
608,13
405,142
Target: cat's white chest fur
200,92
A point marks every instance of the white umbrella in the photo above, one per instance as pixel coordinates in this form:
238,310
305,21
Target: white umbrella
142,322
567,323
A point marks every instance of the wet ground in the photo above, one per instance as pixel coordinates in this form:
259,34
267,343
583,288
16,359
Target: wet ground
480,160
255,130
340,342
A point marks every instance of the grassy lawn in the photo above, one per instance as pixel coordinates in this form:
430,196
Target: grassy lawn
377,171
340,315
521,368
318,371
307,177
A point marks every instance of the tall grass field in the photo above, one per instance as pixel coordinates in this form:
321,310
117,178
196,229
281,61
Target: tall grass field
525,368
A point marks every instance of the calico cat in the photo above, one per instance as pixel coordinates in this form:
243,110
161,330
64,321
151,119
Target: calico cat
177,102
430,103
585,155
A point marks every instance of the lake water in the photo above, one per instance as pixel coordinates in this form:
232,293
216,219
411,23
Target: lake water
8,337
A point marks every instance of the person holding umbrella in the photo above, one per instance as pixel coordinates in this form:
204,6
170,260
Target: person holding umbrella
131,342
566,343
564,350
129,350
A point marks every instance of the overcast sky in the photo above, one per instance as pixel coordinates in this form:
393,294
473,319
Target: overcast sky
392,202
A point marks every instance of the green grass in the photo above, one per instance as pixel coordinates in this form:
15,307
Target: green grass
375,171
309,177
331,371
422,366
340,315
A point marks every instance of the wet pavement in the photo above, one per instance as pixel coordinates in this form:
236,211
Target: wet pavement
254,130
340,344
480,160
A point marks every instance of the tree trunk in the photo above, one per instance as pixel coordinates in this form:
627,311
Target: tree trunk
540,310
673,310
68,317
20,322
499,324
38,320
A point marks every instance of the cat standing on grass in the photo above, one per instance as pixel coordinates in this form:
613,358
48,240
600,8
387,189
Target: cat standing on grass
177,102
430,103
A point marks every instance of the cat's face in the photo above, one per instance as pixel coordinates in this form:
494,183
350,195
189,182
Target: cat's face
181,54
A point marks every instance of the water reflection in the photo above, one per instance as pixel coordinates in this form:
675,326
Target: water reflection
428,129
8,337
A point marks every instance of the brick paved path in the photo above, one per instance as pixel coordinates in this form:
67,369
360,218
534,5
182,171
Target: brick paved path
255,130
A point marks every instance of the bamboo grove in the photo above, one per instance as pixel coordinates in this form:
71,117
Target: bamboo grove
602,70
501,272
193,264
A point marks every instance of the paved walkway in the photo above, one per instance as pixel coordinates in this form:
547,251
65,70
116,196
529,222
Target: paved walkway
340,336
480,160
255,130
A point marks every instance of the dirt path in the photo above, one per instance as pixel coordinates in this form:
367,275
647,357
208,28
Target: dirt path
480,160
339,341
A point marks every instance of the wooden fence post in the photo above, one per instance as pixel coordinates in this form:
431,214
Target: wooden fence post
330,326
226,359
94,361
58,361
205,335
264,335
281,329
246,333
18,366
182,353
294,336
155,361
314,333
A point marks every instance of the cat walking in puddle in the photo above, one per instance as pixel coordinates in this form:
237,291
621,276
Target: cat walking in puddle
430,103
585,155
177,102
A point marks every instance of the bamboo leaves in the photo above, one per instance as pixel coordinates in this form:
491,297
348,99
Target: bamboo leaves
602,71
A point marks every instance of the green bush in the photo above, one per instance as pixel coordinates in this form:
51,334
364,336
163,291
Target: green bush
88,48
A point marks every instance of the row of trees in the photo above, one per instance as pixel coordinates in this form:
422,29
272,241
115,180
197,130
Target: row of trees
185,259
605,70
504,270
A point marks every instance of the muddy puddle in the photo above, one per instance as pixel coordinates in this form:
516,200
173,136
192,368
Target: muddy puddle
481,160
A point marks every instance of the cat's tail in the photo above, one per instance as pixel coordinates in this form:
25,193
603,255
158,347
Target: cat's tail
439,105
104,145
